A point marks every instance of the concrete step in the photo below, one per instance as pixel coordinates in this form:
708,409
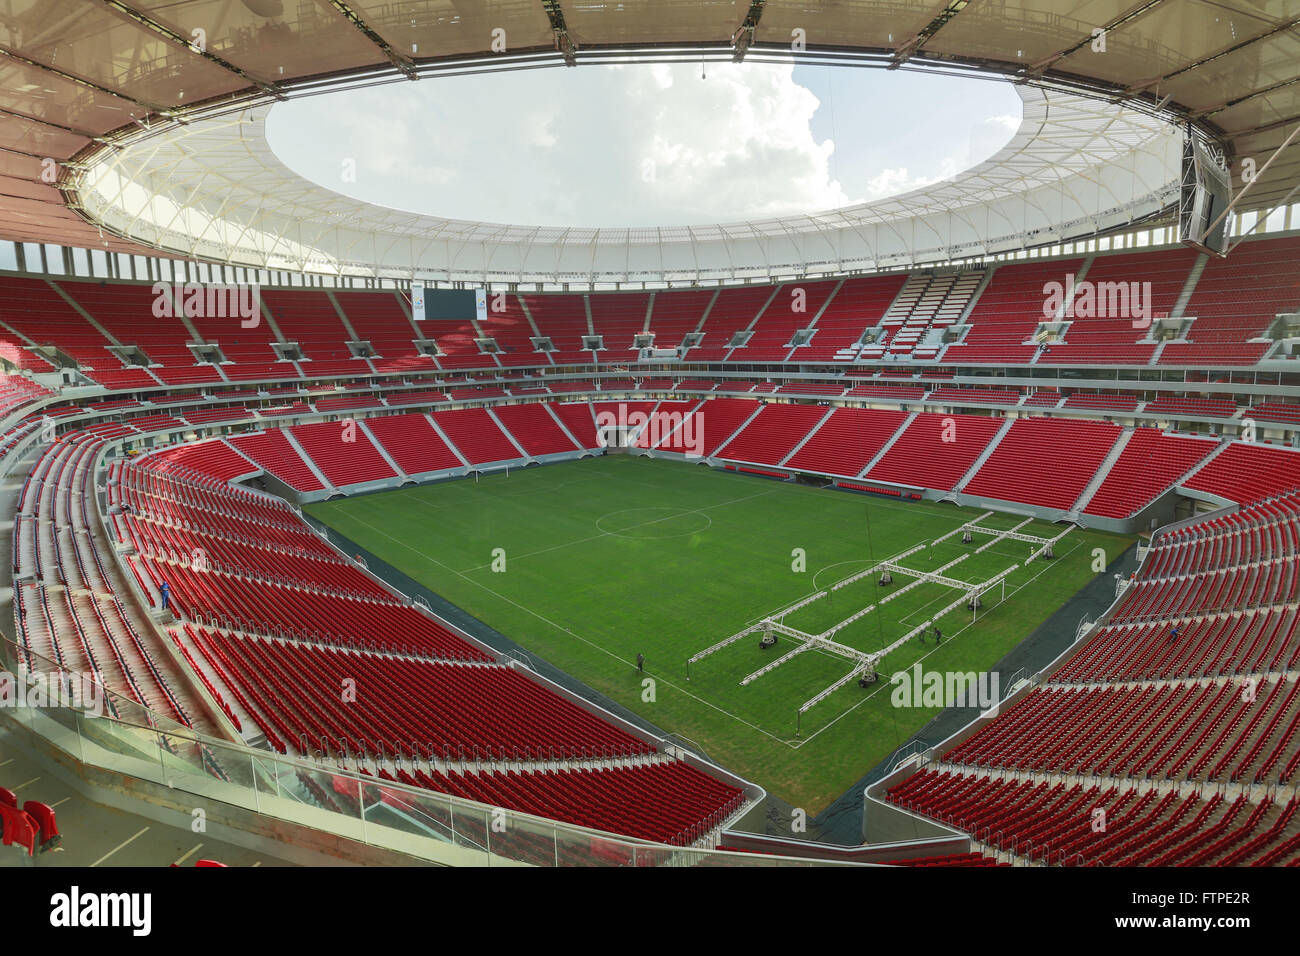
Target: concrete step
984,455
1107,463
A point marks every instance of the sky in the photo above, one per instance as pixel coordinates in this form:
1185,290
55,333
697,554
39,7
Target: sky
644,145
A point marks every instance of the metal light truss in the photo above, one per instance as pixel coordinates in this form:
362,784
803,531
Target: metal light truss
865,661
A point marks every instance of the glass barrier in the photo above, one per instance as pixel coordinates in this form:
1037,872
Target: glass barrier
120,735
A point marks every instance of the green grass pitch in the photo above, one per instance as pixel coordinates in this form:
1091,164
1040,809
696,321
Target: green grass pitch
615,556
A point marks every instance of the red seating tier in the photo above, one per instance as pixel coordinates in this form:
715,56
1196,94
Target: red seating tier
935,451
1044,461
343,452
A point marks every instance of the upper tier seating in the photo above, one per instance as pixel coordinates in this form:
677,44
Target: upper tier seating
458,345
1235,300
126,311
381,319
619,319
25,303
1114,338
734,310
34,310
562,319
508,326
859,305
676,314
248,352
311,320
1007,313
775,328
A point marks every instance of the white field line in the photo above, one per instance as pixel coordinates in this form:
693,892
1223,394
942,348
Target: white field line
608,534
560,627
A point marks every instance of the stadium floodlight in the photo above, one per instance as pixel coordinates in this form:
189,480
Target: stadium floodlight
907,50
744,35
560,30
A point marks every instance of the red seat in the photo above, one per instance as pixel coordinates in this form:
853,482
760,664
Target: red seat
43,816
19,829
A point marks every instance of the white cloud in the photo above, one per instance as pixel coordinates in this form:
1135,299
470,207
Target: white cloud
893,182
638,145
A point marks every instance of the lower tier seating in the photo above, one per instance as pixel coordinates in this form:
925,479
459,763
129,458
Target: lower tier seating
847,441
935,451
1147,467
1246,472
1044,461
772,433
1150,716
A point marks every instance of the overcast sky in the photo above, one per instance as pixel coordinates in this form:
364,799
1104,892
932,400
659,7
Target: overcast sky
644,145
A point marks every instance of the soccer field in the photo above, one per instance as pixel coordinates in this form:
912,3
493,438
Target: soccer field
606,558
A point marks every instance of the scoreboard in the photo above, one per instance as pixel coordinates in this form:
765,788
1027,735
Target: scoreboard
432,305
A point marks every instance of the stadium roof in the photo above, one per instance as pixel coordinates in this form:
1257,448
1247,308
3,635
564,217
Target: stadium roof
215,190
91,88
